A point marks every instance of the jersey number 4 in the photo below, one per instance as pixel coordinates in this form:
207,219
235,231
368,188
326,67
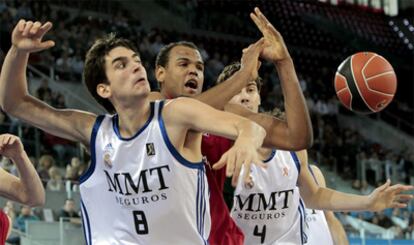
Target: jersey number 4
141,225
261,234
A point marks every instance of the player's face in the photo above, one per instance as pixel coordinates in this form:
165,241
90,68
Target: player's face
126,74
249,97
184,74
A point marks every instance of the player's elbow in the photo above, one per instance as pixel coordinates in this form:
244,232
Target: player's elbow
305,142
32,198
301,142
11,105
36,201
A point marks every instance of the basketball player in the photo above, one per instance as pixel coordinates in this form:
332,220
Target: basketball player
323,226
144,170
179,70
27,189
269,208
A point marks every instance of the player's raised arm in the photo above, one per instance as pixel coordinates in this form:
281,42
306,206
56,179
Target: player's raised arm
296,132
14,97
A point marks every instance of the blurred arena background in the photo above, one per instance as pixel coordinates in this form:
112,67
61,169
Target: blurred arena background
355,152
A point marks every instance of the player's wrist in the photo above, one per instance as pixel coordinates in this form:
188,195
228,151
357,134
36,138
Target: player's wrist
283,62
18,157
16,51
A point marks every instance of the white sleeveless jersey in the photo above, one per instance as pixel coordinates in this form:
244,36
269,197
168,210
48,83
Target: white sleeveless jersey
317,231
141,190
317,226
270,210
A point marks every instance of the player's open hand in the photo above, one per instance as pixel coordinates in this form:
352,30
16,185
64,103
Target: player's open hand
274,47
10,146
27,36
387,196
250,59
235,158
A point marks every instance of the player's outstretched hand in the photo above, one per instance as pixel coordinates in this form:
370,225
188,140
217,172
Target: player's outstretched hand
274,49
235,158
10,146
250,59
27,36
387,196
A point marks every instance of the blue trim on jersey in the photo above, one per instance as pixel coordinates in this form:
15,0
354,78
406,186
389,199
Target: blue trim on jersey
296,160
302,215
313,174
92,143
85,216
271,156
173,151
201,204
115,125
204,203
197,202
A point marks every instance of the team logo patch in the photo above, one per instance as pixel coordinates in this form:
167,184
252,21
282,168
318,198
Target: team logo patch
250,183
108,152
285,171
150,149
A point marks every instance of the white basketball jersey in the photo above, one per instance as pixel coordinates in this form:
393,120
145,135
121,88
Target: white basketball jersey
317,231
140,190
317,227
270,210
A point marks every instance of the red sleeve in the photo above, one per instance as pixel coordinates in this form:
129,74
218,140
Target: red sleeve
213,147
4,227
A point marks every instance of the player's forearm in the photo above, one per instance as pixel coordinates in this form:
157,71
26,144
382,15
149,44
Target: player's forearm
250,132
328,199
13,85
276,129
219,95
297,115
31,190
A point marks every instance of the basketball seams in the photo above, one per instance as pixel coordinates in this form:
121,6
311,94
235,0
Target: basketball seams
378,75
346,87
375,76
356,84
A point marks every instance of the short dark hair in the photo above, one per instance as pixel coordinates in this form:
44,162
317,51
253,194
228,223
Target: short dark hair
94,70
229,70
164,54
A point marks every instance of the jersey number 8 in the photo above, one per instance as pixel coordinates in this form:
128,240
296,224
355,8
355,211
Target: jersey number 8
141,225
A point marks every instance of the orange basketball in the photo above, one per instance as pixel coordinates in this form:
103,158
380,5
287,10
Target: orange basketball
365,82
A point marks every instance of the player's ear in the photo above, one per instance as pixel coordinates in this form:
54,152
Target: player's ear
103,90
160,74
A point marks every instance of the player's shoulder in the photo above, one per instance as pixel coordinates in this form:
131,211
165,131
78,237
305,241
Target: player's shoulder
302,157
180,107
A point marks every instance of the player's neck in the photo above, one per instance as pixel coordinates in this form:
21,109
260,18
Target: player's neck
166,95
265,153
130,120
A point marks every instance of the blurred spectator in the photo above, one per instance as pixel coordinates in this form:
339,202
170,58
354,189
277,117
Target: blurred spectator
26,214
72,178
45,163
63,148
69,212
43,89
383,220
55,182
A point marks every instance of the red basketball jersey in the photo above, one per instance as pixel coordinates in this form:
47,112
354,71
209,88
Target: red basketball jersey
224,230
4,227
